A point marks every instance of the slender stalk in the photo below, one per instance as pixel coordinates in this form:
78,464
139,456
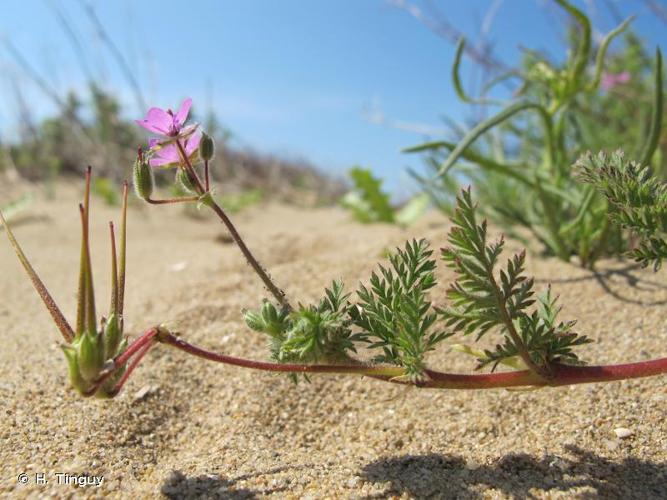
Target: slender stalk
254,263
114,272
189,167
179,343
47,299
81,292
166,201
562,374
123,252
207,179
145,339
130,368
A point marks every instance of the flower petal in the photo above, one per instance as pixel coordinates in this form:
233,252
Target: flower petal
183,112
157,120
168,152
162,162
192,143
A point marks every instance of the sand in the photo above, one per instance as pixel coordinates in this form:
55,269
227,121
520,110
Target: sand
188,428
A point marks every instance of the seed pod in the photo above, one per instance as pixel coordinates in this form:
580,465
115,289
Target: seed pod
206,147
143,178
184,181
90,356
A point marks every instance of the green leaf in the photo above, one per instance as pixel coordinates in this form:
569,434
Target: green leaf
489,123
483,299
656,118
395,315
602,51
367,201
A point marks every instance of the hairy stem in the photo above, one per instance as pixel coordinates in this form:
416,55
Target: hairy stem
254,263
166,201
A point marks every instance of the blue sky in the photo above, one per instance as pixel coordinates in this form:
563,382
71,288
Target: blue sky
299,78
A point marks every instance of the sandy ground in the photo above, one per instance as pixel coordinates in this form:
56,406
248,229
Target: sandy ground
188,428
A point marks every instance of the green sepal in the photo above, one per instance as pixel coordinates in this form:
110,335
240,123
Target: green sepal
206,200
75,377
268,320
185,182
90,356
105,391
253,320
112,336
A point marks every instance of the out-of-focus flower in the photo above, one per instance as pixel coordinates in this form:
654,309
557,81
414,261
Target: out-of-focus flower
166,123
167,154
611,80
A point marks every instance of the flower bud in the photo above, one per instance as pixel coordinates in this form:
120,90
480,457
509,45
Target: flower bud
254,321
185,182
143,178
206,147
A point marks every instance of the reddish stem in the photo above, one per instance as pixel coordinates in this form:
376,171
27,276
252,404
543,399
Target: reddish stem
146,338
562,374
130,368
254,263
181,344
190,168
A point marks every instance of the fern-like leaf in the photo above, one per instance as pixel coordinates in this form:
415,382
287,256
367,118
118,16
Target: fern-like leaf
483,299
638,200
394,312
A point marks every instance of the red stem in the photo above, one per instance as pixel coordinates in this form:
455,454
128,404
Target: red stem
148,337
130,368
562,374
181,344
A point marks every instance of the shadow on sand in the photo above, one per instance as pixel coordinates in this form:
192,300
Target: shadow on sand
614,279
178,486
520,476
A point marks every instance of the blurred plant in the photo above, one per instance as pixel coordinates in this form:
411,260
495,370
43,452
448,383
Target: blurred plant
105,189
638,201
394,317
234,203
11,210
368,203
519,163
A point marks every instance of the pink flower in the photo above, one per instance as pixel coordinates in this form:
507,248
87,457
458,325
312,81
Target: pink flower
611,80
166,123
167,154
